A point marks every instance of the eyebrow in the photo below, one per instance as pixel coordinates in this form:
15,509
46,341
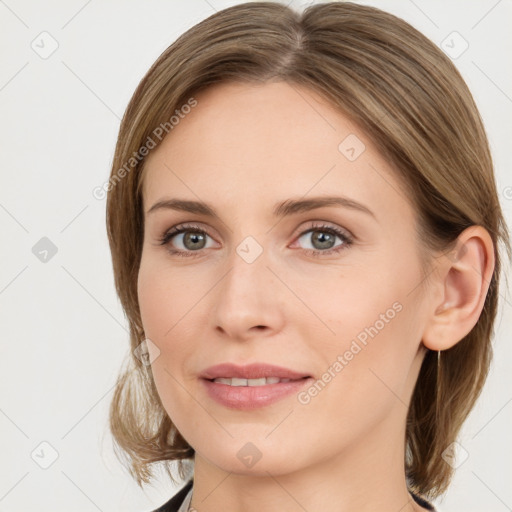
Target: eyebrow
285,208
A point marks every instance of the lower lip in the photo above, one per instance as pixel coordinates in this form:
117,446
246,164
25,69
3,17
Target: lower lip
252,397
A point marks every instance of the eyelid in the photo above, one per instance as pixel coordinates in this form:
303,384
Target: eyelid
180,228
319,224
322,224
344,234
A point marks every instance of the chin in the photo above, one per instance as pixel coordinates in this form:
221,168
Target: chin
252,458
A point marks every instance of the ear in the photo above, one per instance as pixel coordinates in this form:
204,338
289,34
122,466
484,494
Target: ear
462,283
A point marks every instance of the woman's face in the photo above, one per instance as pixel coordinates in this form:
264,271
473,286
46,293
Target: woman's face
333,292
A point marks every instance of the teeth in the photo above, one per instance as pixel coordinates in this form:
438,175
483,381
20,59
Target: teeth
235,381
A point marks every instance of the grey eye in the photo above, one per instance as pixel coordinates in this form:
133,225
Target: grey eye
320,239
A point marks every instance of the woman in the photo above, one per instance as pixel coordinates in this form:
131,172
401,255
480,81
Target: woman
304,228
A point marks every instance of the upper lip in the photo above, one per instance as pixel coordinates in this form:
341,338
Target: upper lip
250,371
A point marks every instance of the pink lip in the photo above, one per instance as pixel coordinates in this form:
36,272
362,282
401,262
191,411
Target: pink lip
252,397
250,371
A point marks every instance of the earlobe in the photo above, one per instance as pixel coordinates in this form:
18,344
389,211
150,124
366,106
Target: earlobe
464,276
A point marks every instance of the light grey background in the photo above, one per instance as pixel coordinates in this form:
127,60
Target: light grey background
64,334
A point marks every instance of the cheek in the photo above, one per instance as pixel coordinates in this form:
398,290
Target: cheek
373,319
365,376
152,302
164,316
349,304
162,298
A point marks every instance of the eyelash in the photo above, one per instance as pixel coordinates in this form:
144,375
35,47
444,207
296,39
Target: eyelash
184,228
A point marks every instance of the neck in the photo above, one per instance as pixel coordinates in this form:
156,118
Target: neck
367,476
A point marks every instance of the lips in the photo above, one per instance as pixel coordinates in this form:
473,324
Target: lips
253,386
252,371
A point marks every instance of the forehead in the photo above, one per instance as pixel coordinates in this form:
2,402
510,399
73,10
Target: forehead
249,142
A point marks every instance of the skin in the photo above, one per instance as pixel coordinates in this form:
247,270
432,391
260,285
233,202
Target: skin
242,149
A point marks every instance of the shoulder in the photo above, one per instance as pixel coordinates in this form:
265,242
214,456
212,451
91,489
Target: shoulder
175,502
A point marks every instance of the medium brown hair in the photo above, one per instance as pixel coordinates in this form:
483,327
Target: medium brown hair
413,104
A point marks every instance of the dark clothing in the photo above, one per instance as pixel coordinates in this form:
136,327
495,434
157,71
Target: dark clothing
422,502
175,502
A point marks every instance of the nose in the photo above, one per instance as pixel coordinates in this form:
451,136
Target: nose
249,299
